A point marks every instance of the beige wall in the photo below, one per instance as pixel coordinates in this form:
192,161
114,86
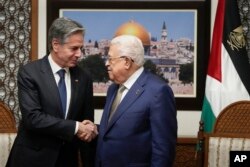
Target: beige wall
188,121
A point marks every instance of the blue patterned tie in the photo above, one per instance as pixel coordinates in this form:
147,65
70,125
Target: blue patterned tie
62,90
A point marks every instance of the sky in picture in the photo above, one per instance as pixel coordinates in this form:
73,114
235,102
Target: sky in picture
102,24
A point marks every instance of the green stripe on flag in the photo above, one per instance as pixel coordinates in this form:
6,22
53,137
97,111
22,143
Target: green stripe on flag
207,116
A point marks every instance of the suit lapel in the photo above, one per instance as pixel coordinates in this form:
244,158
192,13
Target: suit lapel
51,82
133,94
74,89
109,101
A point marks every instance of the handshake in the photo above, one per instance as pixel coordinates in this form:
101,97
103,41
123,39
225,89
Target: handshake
87,130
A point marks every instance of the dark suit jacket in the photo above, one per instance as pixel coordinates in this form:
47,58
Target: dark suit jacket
43,132
143,130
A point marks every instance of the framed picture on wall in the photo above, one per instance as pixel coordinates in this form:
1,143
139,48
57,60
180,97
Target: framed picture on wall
175,36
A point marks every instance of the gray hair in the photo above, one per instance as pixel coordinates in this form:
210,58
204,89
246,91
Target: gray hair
130,46
62,28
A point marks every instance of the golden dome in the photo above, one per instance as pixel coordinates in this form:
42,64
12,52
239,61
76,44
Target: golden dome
133,28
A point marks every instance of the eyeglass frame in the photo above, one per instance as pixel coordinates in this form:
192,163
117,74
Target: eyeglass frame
109,59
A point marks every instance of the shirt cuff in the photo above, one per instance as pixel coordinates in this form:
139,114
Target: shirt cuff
77,126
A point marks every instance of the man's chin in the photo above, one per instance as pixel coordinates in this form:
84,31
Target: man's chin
72,64
111,77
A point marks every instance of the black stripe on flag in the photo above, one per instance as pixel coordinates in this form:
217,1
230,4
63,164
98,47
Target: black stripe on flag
235,43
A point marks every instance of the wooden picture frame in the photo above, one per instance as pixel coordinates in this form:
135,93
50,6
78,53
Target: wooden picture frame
202,38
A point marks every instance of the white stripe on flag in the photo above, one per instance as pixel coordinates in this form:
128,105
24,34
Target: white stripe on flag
230,90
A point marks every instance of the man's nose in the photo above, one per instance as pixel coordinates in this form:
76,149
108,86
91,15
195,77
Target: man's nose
107,63
79,53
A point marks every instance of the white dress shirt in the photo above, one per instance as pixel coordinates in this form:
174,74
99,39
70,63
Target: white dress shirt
55,68
131,80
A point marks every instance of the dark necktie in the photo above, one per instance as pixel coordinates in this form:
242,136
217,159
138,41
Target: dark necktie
62,90
116,101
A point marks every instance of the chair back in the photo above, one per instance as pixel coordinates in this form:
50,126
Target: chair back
231,132
7,121
7,132
234,119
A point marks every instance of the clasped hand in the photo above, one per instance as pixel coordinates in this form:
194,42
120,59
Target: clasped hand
87,130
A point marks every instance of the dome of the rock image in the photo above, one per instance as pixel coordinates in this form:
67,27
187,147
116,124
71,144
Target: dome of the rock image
136,29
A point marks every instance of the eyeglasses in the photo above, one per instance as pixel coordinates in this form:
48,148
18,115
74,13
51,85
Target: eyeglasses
109,59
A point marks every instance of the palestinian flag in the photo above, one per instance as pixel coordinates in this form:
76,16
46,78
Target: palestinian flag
228,75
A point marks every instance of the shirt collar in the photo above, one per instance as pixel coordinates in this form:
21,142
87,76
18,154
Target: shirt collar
55,67
131,80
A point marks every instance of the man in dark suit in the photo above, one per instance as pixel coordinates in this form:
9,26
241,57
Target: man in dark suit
52,131
142,131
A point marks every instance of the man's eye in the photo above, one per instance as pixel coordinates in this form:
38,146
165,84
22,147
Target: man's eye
74,49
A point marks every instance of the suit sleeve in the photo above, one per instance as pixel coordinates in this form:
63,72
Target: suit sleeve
89,109
34,118
164,127
88,149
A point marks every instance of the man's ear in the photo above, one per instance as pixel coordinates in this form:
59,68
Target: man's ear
128,63
55,44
